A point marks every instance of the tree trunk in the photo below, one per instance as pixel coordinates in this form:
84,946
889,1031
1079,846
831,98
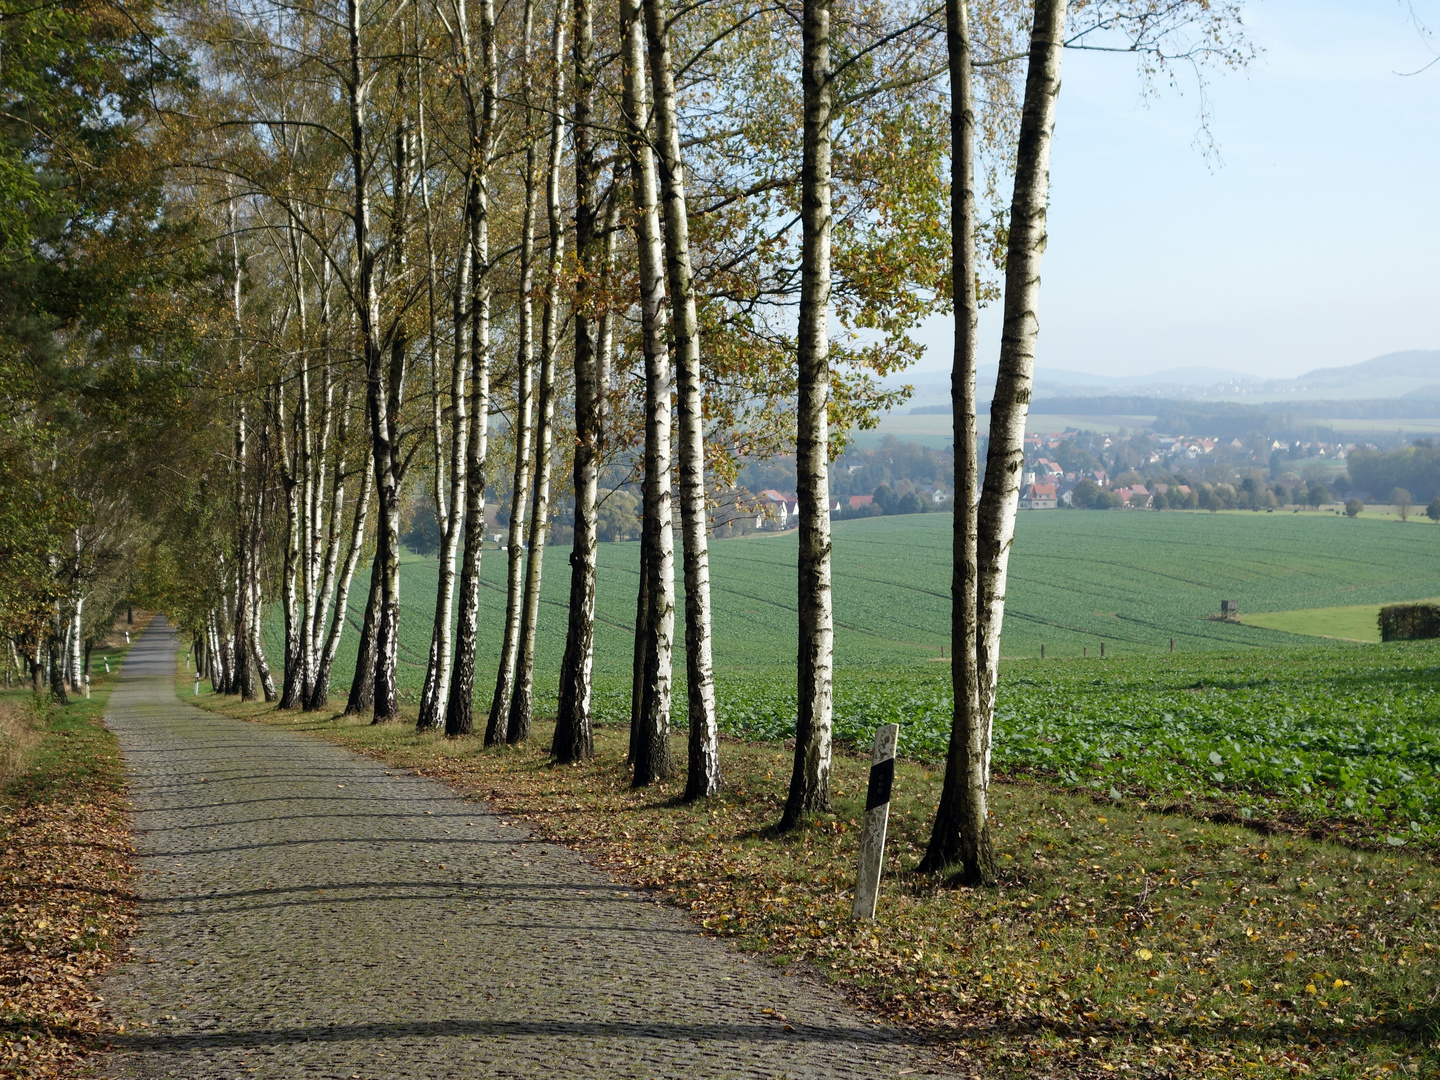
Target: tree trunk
362,686
435,697
703,775
962,825
498,720
637,656
382,393
292,676
480,117
436,691
518,725
78,650
573,740
652,748
257,647
810,778
57,660
960,835
1010,403
216,662
320,577
320,689
298,487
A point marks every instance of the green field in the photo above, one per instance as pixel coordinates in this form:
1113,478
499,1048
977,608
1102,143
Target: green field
1358,622
1347,734
1077,578
1298,723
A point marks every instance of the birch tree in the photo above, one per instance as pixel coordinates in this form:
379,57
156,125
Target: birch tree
703,773
479,111
495,726
984,534
810,776
651,759
573,739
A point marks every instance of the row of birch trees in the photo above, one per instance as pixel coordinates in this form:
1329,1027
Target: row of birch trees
511,249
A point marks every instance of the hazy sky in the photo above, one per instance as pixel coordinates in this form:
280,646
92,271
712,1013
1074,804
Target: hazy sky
1310,239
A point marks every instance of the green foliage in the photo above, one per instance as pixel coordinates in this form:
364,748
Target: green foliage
1353,507
1413,468
1344,733
1409,622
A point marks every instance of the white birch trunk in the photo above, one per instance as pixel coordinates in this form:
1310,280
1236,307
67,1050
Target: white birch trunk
810,777
1010,405
960,835
496,726
574,739
703,774
480,119
652,747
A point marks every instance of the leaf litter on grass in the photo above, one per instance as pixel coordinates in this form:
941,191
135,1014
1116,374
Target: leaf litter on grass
66,906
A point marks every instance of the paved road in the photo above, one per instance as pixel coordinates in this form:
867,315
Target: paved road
307,912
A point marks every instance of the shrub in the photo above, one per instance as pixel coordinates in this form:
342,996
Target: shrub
1353,507
1409,622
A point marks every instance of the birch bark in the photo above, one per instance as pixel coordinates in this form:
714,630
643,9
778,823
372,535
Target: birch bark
498,721
518,723
320,689
480,119
1010,405
960,836
652,747
449,495
703,773
810,776
573,740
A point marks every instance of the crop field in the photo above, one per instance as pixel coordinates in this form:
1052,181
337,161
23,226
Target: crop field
1347,734
1129,580
1267,720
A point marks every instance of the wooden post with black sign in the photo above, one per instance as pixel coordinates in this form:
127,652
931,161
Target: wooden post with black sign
877,818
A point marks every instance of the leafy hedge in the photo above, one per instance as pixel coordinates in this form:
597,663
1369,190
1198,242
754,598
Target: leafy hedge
1409,622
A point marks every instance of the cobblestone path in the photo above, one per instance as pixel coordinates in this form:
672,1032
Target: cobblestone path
307,912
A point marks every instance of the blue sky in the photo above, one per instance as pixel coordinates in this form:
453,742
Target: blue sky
1309,238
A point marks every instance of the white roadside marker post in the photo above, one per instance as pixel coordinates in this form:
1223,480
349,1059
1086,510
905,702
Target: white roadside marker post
87,686
107,665
197,684
127,637
877,818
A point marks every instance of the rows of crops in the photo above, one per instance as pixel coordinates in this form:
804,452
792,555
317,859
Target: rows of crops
1130,580
1348,733
1256,716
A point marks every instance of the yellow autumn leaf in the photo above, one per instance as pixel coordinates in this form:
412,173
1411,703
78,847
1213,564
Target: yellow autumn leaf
1143,954
1290,956
1339,984
1310,988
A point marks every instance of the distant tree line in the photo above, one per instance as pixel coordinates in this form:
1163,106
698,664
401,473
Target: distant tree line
1414,468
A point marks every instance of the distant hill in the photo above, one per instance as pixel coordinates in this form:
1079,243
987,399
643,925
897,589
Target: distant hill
1411,374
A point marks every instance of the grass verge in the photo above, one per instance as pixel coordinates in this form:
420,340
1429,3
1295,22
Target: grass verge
65,901
1118,940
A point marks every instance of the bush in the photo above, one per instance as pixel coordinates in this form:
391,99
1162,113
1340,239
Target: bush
909,503
1433,510
1409,622
1353,507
